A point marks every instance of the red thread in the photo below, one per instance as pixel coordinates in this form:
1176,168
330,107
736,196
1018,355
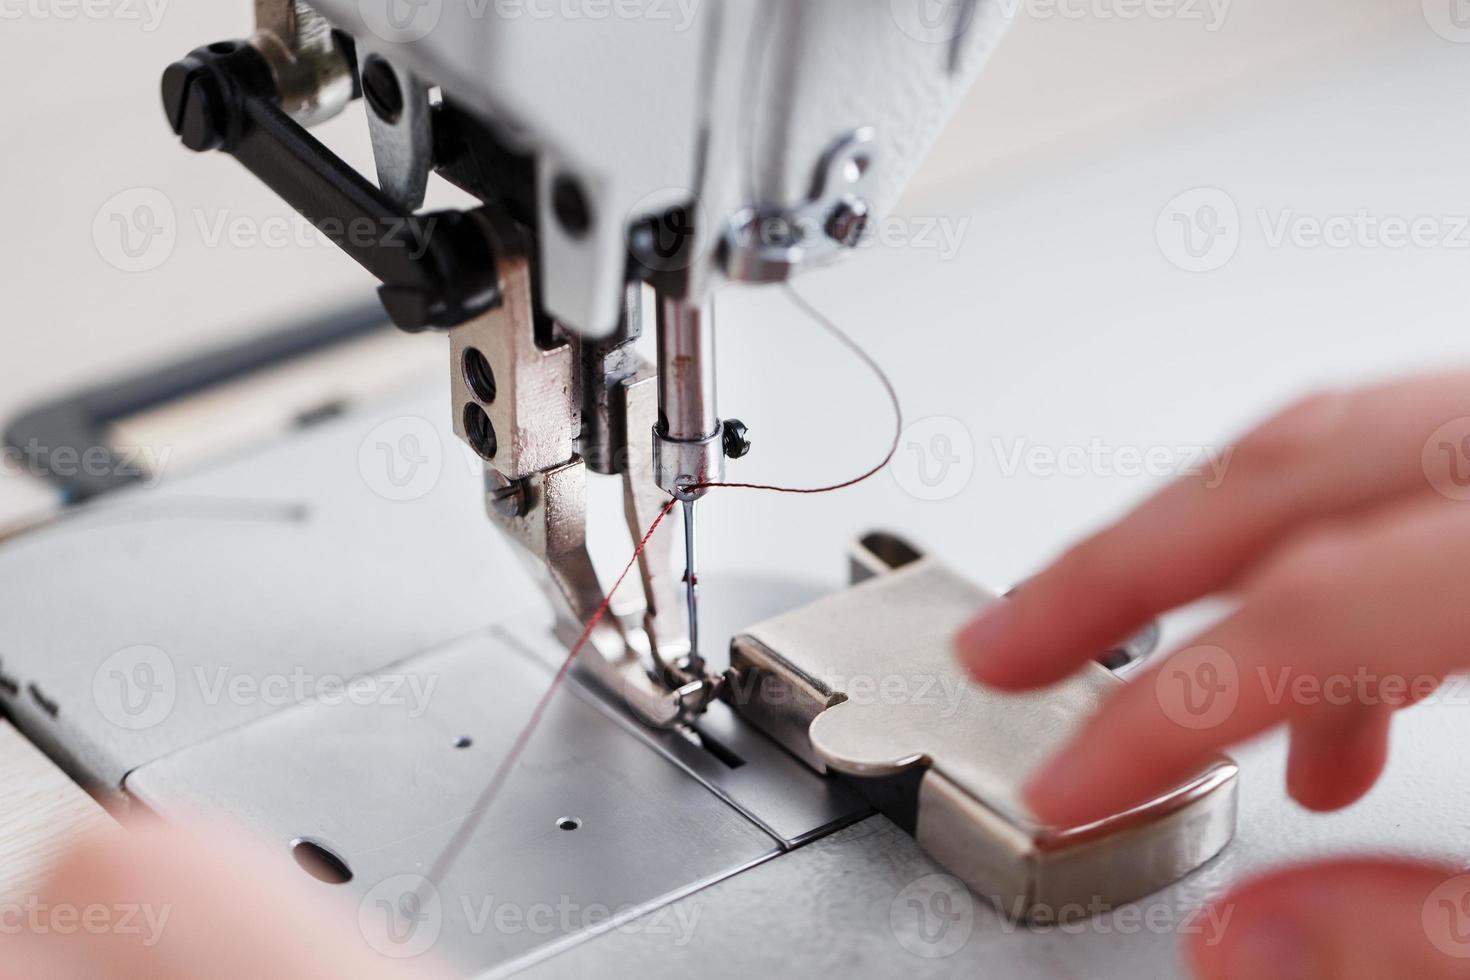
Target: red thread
878,372
487,796
497,782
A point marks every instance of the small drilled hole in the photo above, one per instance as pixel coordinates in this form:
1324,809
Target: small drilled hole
381,89
223,47
463,742
569,202
321,863
480,433
479,377
569,823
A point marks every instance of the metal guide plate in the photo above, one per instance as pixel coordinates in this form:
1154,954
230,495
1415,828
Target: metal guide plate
593,827
732,758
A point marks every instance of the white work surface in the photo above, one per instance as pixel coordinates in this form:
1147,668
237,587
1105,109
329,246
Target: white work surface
1059,322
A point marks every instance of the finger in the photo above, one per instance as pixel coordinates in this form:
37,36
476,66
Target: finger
1335,760
1328,457
1363,919
194,907
1355,620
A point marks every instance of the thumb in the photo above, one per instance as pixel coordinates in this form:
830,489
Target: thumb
1361,919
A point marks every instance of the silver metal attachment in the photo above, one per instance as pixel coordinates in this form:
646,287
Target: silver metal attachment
863,683
518,405
313,74
689,439
772,245
401,125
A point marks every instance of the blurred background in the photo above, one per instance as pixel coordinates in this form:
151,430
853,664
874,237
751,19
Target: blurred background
1036,293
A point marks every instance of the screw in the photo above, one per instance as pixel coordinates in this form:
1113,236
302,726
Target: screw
736,439
191,98
507,497
848,223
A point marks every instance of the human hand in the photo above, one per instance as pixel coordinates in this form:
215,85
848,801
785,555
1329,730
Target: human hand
167,903
1342,528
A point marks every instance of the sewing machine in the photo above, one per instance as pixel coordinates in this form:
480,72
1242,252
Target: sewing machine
628,169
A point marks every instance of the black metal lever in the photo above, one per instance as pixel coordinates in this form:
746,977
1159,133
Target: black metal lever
436,269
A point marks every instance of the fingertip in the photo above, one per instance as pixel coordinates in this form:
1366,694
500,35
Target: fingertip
1332,766
1357,919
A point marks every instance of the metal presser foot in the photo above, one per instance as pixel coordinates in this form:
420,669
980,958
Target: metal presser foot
863,684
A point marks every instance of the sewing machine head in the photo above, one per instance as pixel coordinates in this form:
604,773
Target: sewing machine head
632,157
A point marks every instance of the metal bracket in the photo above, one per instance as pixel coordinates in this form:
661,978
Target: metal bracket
764,245
863,684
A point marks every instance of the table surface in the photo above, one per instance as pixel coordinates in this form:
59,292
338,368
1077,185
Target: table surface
40,811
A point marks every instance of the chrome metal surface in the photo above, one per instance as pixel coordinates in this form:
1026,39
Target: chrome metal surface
403,141
765,244
691,587
313,74
689,447
731,758
383,780
529,404
864,683
686,365
663,618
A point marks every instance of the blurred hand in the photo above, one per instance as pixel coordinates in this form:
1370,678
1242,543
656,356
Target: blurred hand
161,903
1342,527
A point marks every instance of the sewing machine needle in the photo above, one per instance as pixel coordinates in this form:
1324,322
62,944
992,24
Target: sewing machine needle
691,585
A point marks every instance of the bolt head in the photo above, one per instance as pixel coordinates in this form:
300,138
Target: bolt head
736,439
849,222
